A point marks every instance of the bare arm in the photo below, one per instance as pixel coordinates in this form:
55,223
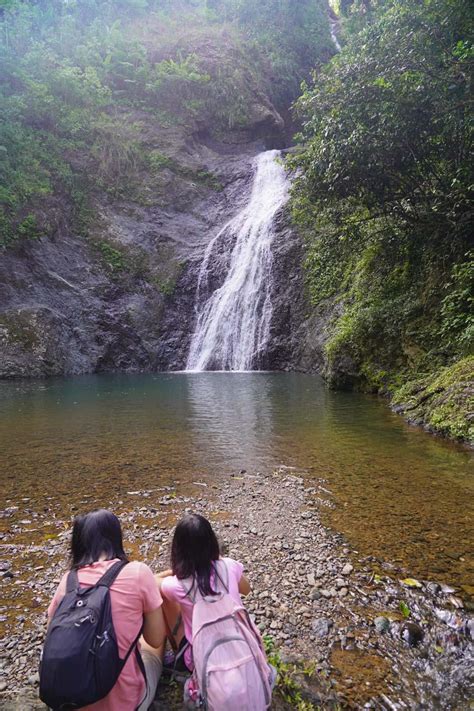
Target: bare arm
244,585
159,577
154,631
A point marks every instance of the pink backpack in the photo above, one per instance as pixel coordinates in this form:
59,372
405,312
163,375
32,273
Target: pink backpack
231,671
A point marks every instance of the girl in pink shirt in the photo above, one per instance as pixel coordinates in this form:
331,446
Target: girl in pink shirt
194,552
135,601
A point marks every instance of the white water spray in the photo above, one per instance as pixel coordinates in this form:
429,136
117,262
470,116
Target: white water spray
332,29
233,324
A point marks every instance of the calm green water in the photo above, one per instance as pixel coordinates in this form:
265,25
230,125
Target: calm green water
403,495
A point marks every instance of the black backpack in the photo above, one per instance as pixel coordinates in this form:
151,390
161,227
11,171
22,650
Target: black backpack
80,662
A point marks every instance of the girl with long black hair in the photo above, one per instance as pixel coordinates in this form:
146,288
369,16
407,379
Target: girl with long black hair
194,555
136,601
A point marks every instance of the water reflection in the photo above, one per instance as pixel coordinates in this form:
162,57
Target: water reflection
232,420
404,495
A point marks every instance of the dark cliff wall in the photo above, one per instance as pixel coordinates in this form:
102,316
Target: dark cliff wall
123,299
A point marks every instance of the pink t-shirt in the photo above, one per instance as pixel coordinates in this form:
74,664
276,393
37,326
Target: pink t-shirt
133,593
172,589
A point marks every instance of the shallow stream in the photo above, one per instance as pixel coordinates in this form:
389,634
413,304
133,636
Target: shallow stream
401,494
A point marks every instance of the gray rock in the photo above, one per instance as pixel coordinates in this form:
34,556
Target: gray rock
347,569
381,624
322,626
34,679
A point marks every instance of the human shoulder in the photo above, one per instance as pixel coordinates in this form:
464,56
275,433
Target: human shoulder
145,584
58,595
140,571
135,567
234,567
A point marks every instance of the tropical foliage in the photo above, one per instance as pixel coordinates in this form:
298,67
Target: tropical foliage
384,191
79,78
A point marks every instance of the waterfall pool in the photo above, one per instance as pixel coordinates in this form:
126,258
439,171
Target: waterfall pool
74,444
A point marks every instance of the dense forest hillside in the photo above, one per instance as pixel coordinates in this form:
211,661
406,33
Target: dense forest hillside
384,196
80,78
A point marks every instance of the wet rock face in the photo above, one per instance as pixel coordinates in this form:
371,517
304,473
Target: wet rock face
123,298
65,310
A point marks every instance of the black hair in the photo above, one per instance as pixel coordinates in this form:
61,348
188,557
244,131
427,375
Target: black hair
193,551
96,535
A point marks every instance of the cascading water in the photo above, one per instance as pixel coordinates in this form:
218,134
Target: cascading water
233,323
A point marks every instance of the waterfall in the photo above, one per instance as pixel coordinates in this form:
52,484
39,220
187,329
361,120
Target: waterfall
332,29
233,322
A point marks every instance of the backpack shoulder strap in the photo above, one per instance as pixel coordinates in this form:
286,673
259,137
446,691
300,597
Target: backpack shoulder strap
72,582
109,576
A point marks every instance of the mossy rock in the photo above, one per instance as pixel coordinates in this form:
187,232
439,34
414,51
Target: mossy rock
443,401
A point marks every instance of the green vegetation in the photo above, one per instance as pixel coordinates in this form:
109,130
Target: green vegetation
443,400
288,684
286,38
114,258
19,328
404,609
85,87
384,193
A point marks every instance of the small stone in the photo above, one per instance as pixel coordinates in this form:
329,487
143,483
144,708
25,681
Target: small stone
381,624
311,579
326,593
315,594
342,592
321,626
347,569
33,679
3,685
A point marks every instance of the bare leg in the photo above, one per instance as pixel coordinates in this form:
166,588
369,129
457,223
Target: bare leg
173,622
172,615
152,658
156,651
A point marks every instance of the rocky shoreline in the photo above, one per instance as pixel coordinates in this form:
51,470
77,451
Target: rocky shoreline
349,632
